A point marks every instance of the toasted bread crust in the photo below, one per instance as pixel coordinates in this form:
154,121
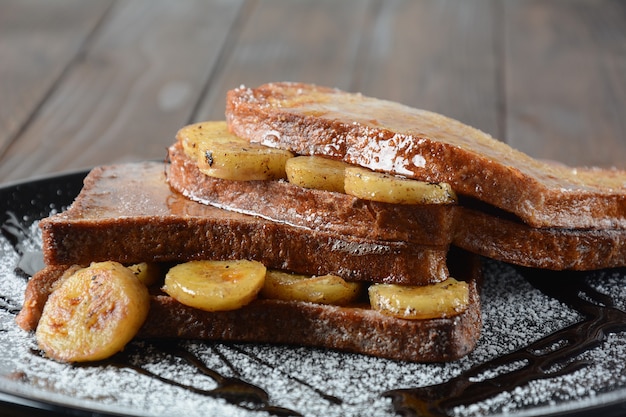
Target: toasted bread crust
546,248
356,329
127,213
39,287
352,329
398,139
485,234
425,224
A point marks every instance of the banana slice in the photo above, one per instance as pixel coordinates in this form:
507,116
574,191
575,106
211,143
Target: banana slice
93,314
149,273
218,153
444,299
215,285
316,172
326,289
376,186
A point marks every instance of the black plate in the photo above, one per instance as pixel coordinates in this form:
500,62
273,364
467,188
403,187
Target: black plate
586,378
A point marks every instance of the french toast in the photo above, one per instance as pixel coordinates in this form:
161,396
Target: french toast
99,225
508,240
482,197
354,328
472,226
127,213
386,136
424,224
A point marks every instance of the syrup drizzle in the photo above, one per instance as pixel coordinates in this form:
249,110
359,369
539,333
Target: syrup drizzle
234,390
551,356
13,230
16,232
21,238
330,398
9,306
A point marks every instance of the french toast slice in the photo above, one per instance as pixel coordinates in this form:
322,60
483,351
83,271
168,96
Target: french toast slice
510,241
354,328
390,137
281,201
470,226
128,213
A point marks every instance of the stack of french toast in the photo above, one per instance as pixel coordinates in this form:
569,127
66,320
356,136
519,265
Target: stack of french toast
316,217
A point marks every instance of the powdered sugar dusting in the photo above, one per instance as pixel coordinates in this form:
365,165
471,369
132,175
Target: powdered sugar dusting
386,154
314,381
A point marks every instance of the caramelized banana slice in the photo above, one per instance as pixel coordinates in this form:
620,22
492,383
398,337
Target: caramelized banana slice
93,314
218,153
326,289
149,273
316,172
215,285
444,299
376,186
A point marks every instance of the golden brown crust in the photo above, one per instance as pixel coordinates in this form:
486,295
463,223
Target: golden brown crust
391,137
127,213
485,234
354,329
425,224
37,291
547,248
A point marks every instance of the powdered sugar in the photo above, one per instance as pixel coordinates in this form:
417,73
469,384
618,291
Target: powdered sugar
313,381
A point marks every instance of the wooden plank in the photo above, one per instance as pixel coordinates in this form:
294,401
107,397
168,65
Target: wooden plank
38,40
441,56
307,41
137,83
378,51
566,80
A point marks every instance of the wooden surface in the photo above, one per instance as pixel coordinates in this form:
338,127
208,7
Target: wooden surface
84,83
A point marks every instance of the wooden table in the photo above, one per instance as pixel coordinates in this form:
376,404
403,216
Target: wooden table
84,83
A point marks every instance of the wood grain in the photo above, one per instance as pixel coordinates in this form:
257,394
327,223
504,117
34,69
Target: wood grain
38,41
308,41
566,80
134,87
441,56
90,83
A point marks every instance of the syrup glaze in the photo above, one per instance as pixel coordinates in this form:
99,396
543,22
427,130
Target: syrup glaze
549,357
232,389
8,305
391,137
